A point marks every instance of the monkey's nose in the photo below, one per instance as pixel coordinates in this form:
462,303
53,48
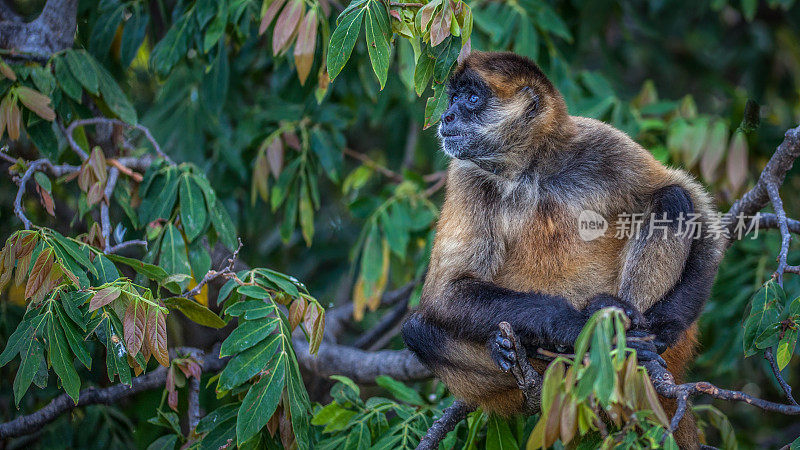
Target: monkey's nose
448,118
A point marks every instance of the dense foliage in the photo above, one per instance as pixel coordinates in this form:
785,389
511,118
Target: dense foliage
302,129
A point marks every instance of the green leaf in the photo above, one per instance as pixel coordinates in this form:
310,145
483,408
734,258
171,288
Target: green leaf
224,226
215,84
195,311
435,105
358,438
446,55
306,214
245,365
248,334
251,307
219,415
423,72
330,157
173,46
173,252
15,342
164,443
261,401
31,354
116,354
498,435
104,30
133,36
193,208
299,404
220,435
114,98
61,359
106,270
399,390
764,312
72,301
199,259
256,292
74,250
151,271
378,31
343,40
283,282
396,236
159,198
786,348
75,339
82,66
66,80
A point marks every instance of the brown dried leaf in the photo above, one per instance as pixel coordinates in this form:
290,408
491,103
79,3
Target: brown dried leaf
737,162
6,264
466,49
53,280
269,14
36,102
260,177
39,273
275,156
137,370
97,161
296,312
134,326
103,297
304,48
286,431
85,178
291,139
286,25
652,399
95,237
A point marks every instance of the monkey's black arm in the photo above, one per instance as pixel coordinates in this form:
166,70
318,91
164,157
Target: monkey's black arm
472,309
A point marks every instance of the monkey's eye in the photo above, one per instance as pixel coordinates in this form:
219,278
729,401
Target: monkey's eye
473,98
455,98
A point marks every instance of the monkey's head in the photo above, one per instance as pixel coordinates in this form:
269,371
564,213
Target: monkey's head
502,109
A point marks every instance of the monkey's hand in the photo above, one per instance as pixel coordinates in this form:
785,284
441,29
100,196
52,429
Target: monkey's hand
601,301
502,351
647,348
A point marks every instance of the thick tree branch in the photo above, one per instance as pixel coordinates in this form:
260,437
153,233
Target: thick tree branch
51,32
91,396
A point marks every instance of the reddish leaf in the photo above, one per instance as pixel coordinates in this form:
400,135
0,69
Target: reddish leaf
157,335
272,425
95,194
466,49
23,265
286,431
172,397
275,156
46,200
304,48
103,297
286,25
134,325
5,105
6,263
5,69
39,273
296,312
26,244
315,326
291,139
426,14
269,15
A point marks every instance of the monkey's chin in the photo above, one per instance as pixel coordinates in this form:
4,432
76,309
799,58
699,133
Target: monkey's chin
455,146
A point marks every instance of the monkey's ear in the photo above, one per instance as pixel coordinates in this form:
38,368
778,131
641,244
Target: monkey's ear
533,108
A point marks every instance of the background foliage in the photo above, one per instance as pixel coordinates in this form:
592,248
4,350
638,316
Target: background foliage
303,127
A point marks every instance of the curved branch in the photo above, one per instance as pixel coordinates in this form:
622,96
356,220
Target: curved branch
108,121
451,417
91,396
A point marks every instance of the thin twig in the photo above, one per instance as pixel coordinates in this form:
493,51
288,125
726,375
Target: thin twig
29,423
105,120
122,245
406,5
451,417
770,357
33,167
226,272
369,162
387,322
137,177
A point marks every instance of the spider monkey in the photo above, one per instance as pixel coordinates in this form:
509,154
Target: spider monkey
508,246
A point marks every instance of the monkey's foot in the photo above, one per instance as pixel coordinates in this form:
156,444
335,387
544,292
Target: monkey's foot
510,355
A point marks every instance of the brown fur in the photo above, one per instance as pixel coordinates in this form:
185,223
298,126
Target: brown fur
508,230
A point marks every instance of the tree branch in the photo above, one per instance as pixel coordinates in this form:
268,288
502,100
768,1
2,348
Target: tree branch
108,121
451,417
51,32
105,220
770,357
91,396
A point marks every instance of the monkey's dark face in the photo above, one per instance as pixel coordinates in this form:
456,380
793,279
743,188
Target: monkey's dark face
464,125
